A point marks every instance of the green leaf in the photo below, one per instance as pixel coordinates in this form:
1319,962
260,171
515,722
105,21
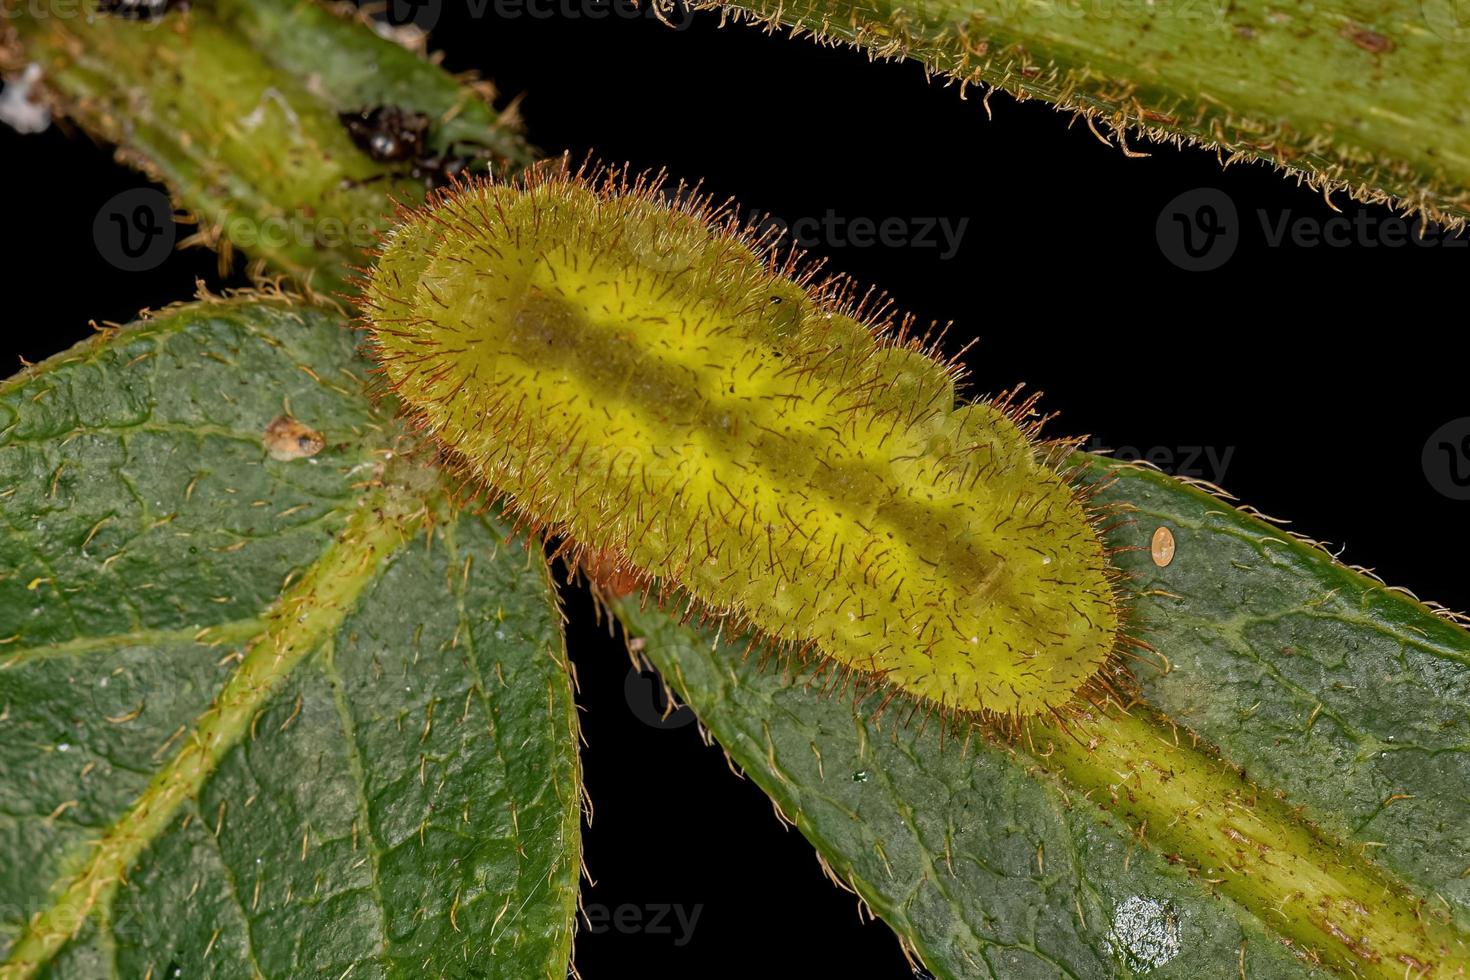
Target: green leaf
1350,697
1363,98
280,714
1327,833
234,105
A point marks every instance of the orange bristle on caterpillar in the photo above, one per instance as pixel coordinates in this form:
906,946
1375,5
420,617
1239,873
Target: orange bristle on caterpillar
640,373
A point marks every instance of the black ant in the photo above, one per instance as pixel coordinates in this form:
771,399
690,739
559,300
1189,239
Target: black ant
393,134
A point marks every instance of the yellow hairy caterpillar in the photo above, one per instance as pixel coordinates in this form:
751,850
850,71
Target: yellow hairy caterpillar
644,376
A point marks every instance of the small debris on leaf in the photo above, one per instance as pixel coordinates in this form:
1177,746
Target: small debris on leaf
18,108
1370,41
287,439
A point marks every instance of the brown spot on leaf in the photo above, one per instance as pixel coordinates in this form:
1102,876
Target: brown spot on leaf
287,439
1370,41
1358,947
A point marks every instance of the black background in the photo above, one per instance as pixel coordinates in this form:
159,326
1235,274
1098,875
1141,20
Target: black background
1322,370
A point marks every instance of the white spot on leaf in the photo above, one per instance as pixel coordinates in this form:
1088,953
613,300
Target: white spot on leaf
1145,932
17,109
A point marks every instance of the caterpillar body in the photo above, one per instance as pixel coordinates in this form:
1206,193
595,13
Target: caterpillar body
649,379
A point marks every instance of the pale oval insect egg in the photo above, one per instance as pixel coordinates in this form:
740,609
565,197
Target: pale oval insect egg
1161,548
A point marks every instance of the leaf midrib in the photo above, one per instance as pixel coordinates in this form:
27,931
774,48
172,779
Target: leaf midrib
230,631
305,617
